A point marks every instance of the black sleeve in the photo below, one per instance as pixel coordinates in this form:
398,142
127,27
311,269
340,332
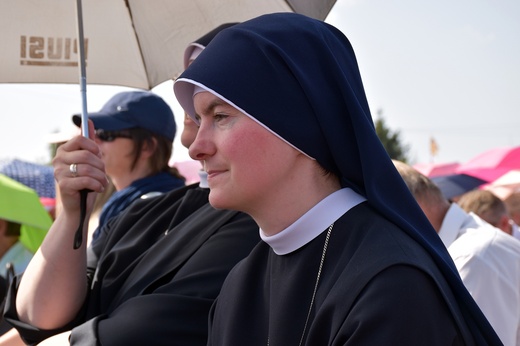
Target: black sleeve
175,310
30,334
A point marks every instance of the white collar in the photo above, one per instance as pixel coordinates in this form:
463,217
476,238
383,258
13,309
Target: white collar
454,224
203,183
313,222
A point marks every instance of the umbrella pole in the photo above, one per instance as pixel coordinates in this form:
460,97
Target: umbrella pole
78,237
82,70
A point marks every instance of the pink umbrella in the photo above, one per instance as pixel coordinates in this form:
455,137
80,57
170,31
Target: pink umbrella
492,164
436,169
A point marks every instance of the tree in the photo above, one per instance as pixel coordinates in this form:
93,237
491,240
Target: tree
391,140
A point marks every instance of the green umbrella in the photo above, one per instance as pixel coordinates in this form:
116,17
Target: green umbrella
19,203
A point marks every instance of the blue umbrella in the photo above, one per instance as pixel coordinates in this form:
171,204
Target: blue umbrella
38,177
453,185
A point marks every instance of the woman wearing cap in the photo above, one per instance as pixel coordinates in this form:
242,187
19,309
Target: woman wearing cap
348,258
135,132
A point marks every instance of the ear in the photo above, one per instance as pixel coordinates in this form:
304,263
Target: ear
505,225
149,148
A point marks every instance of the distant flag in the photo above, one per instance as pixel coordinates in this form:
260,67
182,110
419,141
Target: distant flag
434,148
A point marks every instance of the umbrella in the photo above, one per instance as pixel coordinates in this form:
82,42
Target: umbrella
20,204
492,164
453,185
506,185
134,43
436,169
511,179
38,177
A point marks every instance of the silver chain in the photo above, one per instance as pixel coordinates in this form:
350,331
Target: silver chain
316,285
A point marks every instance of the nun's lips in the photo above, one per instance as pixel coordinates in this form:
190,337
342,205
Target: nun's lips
213,173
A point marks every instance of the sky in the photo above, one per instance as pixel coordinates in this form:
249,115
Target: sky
447,70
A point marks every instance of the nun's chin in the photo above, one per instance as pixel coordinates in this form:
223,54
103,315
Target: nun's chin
218,200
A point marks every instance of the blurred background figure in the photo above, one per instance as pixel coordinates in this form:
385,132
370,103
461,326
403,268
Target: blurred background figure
135,132
488,260
488,207
23,225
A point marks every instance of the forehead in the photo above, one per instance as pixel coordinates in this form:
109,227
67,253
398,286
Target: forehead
205,103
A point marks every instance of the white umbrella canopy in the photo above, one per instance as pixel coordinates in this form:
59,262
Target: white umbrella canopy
134,43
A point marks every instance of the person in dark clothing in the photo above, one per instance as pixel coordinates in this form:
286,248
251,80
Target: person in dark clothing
348,257
149,280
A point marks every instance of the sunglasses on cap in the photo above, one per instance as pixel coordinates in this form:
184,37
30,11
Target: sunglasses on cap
110,136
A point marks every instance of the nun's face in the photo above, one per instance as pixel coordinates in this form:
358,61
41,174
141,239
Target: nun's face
189,131
247,165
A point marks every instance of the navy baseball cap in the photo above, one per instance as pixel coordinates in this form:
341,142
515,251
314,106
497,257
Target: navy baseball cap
131,109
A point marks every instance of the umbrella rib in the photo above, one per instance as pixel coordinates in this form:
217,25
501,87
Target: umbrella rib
127,2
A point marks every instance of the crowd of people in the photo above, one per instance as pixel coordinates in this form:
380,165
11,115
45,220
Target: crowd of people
487,257
301,231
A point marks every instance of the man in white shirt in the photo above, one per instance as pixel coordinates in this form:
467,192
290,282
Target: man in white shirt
488,260
489,208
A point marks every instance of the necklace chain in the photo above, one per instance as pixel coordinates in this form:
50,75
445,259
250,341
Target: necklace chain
325,246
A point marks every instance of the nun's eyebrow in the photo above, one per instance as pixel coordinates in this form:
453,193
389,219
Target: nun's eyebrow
212,105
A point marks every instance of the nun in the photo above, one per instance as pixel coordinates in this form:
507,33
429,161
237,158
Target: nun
347,257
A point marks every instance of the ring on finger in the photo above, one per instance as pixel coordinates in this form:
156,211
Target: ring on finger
73,168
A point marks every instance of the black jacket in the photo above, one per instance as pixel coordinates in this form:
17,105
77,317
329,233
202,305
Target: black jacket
158,272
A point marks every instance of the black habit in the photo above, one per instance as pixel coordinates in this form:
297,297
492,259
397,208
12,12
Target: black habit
159,270
268,296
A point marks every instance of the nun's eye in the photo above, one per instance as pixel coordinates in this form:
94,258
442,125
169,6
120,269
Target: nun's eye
220,116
